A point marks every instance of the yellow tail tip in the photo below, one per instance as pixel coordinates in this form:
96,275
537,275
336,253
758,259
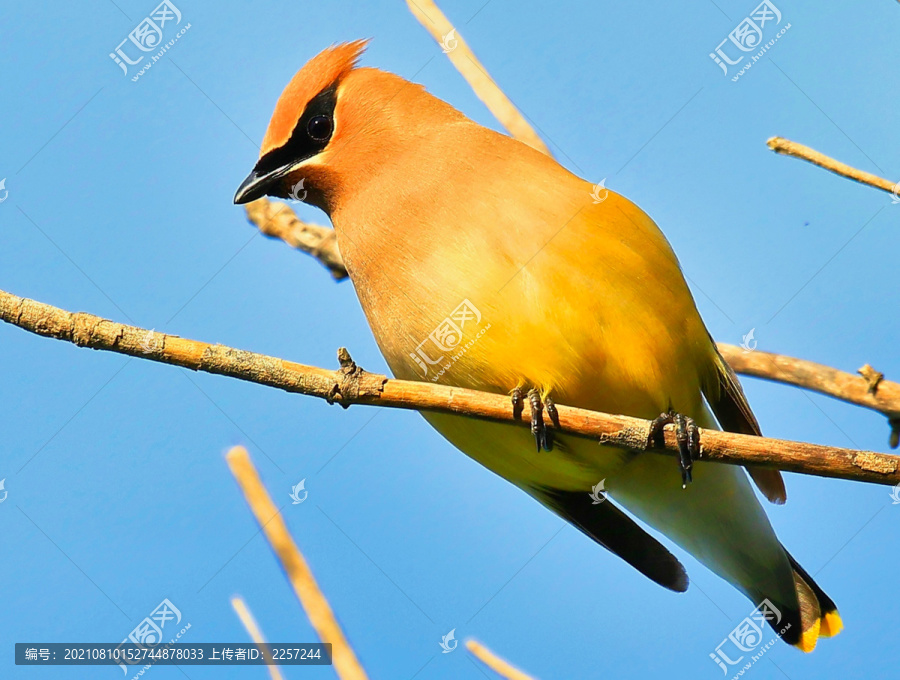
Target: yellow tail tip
831,624
809,638
828,626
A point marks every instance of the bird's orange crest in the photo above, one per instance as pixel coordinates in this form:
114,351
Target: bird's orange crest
327,68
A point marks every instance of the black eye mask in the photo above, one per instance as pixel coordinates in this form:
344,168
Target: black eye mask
310,136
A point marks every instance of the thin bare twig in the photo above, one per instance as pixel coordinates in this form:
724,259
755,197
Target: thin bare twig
278,220
346,665
879,395
351,385
465,61
789,148
253,630
495,663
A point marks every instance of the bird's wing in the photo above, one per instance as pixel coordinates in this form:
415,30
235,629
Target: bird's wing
728,403
618,533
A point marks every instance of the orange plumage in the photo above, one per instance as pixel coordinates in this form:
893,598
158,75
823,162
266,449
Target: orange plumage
582,299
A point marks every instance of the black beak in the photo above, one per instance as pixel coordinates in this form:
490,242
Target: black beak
255,186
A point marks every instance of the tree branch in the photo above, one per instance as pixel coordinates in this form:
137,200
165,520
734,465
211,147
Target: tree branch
278,219
870,391
253,630
351,385
789,148
461,56
500,666
344,661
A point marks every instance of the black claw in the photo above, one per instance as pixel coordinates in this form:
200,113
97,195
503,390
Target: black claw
684,452
538,429
518,402
554,418
551,411
543,438
656,428
687,434
693,439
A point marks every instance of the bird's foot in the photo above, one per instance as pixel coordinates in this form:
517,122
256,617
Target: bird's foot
687,434
518,401
543,437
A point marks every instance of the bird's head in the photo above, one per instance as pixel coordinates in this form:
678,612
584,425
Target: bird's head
335,125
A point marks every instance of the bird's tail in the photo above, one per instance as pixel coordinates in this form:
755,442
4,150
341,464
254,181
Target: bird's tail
718,519
814,616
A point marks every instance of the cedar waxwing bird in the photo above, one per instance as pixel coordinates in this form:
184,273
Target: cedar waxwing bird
483,263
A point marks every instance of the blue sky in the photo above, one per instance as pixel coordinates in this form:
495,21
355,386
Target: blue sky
119,204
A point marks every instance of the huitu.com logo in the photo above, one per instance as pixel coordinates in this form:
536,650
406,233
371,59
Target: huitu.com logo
748,342
600,193
296,491
448,337
747,638
598,492
298,193
746,40
149,633
449,42
895,494
446,641
148,36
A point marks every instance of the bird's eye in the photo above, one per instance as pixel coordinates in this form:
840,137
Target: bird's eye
319,128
